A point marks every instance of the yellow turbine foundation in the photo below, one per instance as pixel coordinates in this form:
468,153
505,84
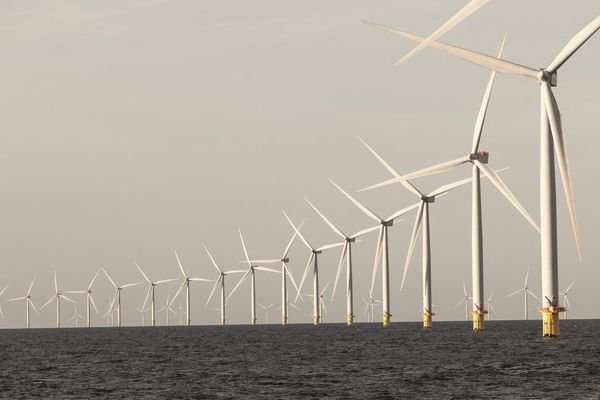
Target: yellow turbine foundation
427,320
386,320
253,321
316,319
550,321
349,319
222,322
284,321
478,320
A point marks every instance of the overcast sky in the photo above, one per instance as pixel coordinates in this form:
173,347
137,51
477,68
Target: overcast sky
132,128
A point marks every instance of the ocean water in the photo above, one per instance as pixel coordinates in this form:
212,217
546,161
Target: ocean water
509,360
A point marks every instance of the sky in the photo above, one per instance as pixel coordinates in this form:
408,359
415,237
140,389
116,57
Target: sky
131,128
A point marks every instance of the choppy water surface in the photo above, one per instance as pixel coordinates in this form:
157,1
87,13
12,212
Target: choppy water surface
509,360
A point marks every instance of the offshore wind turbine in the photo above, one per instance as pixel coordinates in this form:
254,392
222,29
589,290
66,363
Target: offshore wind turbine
57,296
284,260
564,294
117,296
150,293
76,316
28,303
252,268
321,299
266,308
551,140
312,261
345,257
525,290
381,249
186,282
369,307
89,299
220,280
167,308
465,300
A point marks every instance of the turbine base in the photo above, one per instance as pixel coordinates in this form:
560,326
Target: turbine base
478,320
221,322
253,321
284,321
550,321
427,320
386,319
349,319
316,319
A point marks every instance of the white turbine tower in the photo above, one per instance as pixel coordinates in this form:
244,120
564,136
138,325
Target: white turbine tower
525,290
76,316
564,294
266,308
117,296
28,303
167,309
312,261
186,282
150,293
57,296
252,268
220,280
551,140
381,250
89,299
345,257
321,300
285,272
465,300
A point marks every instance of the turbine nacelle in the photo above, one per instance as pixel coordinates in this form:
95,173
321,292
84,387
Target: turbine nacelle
427,199
481,156
545,76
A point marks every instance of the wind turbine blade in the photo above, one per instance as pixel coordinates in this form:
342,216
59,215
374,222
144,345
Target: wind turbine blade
566,291
289,245
48,302
464,289
213,290
93,280
67,299
489,62
436,169
325,288
484,106
294,306
467,10
180,265
533,294
131,284
413,240
55,283
211,258
450,186
460,303
574,44
563,161
391,170
238,284
31,285
364,232
502,188
567,304
200,280
400,213
244,247
93,303
293,281
490,298
143,274
179,290
297,229
330,246
146,298
72,291
339,269
378,251
515,292
328,222
109,278
364,209
273,261
17,298
526,278
312,255
169,280
236,271
267,270
33,306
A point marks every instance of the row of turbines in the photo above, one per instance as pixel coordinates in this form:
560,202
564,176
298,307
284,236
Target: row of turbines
552,144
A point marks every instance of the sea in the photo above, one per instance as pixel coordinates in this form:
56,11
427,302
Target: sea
509,360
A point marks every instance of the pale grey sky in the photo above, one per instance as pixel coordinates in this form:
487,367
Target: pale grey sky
130,128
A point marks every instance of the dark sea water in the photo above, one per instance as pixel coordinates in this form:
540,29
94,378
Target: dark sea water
509,360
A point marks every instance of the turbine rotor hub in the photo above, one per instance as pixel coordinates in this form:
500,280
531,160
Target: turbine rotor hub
545,76
481,156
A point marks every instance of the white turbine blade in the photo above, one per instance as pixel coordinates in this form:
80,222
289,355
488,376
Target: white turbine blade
180,265
17,298
179,290
490,298
293,280
327,221
267,270
67,299
112,302
400,213
491,307
451,186
330,246
93,303
574,44
236,271
563,161
465,289
378,251
413,240
31,285
501,186
533,294
460,303
167,280
515,292
526,277
364,209
212,292
55,283
312,255
289,245
131,284
566,291
143,274
33,306
325,288
484,106
72,291
364,232
200,280
391,170
147,296
244,247
255,262
238,284
294,306
211,258
109,278
93,280
339,269
435,169
297,230
467,10
489,62
48,302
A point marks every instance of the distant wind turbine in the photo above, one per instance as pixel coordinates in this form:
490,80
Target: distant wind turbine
186,282
117,295
525,290
465,300
150,293
89,299
57,296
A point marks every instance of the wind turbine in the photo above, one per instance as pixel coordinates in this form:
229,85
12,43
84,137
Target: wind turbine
490,306
564,295
465,300
551,140
369,307
346,257
150,293
57,296
109,314
525,290
76,316
252,268
381,250
117,296
220,280
284,274
89,299
312,261
186,282
422,220
321,300
167,308
28,303
266,308
142,314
